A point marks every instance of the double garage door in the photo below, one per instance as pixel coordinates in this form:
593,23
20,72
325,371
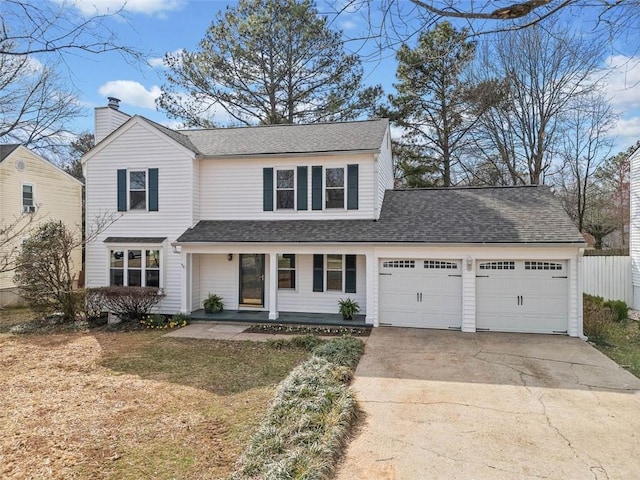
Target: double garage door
511,296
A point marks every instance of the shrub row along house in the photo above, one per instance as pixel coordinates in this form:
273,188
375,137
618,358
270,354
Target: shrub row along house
292,218
32,191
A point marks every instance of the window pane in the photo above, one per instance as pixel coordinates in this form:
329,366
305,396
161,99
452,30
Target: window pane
286,260
134,277
335,177
286,279
153,258
334,280
117,277
335,198
27,195
135,258
152,278
117,259
285,199
334,262
137,180
285,179
138,200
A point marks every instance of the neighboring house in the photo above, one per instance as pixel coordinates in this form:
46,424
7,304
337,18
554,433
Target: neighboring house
32,191
634,231
292,218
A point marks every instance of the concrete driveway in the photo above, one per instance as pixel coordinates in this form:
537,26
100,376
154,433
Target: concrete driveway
449,405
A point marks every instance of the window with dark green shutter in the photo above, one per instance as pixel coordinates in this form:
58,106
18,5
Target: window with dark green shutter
302,188
318,273
122,190
267,189
153,189
316,188
352,187
350,274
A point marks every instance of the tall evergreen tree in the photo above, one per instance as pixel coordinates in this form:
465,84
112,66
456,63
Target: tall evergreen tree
267,61
432,99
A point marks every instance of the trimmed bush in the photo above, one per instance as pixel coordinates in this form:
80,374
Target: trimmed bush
598,320
310,419
128,303
619,309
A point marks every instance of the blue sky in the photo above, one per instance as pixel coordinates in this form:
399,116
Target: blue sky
159,26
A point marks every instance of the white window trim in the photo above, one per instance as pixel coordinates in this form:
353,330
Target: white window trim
33,196
295,189
326,272
126,247
324,188
294,270
146,193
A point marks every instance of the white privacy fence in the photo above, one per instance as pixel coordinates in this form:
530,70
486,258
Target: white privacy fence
608,277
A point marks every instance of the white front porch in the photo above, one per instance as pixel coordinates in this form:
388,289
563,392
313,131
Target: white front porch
217,270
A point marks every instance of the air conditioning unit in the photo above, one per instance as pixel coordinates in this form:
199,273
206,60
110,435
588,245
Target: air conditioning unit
28,208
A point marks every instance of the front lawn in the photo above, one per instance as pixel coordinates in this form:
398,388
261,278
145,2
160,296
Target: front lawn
623,345
132,405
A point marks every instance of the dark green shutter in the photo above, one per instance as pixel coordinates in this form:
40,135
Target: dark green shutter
318,273
122,190
302,188
316,188
267,187
153,189
352,187
350,274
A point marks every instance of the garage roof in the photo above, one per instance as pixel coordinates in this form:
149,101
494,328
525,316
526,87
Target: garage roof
526,214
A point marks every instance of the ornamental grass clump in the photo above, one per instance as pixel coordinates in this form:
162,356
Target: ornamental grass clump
309,421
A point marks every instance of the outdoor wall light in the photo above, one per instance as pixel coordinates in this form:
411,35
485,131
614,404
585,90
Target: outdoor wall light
230,257
469,263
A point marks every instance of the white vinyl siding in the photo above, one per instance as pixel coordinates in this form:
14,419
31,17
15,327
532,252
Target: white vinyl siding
141,147
384,170
232,189
220,276
106,121
56,195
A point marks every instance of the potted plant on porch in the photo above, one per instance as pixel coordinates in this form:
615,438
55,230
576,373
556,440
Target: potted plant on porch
348,307
213,303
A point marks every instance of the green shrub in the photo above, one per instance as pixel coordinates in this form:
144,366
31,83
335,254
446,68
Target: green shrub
309,421
213,303
619,309
345,351
598,320
348,307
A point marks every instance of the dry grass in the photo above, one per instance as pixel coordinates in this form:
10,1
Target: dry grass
131,405
13,316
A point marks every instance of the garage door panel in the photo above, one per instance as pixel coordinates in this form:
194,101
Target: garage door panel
522,296
421,293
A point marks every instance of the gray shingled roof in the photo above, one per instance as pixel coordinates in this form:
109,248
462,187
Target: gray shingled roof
279,139
6,149
452,215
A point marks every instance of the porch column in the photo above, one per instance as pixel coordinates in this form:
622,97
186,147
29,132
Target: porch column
372,287
185,294
273,286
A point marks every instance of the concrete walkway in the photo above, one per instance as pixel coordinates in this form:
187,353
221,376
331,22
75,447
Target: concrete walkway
449,405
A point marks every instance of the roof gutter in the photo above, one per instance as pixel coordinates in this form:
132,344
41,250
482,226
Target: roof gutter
289,154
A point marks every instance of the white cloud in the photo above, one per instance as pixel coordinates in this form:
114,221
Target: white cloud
623,82
348,25
132,93
628,128
147,7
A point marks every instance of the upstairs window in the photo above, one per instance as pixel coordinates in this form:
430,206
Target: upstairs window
138,190
285,189
334,188
28,205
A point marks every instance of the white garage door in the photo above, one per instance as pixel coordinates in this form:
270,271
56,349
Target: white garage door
522,296
421,293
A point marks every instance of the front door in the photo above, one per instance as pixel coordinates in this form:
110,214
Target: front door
252,280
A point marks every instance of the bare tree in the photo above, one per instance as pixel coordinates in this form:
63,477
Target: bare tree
585,145
543,77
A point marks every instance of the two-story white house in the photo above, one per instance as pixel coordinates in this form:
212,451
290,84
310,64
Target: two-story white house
292,218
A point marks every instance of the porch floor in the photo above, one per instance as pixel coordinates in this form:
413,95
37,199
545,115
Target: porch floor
251,316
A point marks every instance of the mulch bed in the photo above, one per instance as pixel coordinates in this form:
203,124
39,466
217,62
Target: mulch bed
303,330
